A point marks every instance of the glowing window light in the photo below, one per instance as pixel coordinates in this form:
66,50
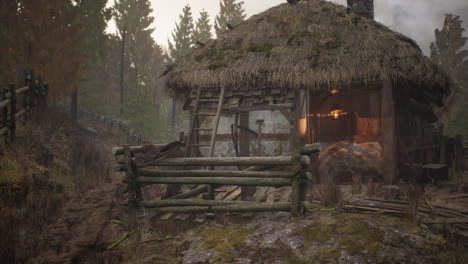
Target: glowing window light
302,127
336,112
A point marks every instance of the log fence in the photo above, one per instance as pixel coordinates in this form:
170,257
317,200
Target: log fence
295,174
20,103
450,151
124,126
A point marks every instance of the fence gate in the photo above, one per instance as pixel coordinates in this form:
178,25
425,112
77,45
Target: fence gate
256,174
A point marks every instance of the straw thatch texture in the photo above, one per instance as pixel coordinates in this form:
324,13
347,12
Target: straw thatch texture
314,45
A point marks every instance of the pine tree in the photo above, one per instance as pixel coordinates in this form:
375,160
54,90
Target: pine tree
182,35
41,35
230,13
202,31
448,52
143,60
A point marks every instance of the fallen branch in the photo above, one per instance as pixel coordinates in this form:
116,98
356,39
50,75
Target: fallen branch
117,243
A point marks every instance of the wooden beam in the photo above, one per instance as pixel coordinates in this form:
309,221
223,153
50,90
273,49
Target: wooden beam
265,137
239,208
389,134
230,161
214,174
216,180
191,193
186,202
4,103
134,149
241,109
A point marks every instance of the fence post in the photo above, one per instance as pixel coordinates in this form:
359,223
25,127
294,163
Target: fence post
297,193
459,153
443,150
134,190
12,111
27,95
3,92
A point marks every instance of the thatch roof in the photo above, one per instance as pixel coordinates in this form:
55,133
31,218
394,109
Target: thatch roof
314,45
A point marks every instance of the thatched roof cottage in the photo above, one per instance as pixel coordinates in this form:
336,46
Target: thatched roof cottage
351,80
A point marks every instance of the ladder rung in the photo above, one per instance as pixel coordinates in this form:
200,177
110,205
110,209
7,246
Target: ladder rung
208,100
199,145
205,114
202,129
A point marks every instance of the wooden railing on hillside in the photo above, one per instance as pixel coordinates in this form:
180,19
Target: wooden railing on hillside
20,103
296,175
131,135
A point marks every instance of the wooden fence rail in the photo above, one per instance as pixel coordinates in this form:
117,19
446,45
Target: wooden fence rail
30,98
447,150
124,126
296,176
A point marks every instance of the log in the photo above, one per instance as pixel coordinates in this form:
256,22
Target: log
4,103
191,193
309,149
4,131
445,220
243,109
214,174
216,180
18,91
186,202
12,112
239,208
203,188
20,114
230,161
134,149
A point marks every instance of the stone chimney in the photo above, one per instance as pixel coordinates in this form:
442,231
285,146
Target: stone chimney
362,7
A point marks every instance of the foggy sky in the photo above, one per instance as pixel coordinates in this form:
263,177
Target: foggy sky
415,18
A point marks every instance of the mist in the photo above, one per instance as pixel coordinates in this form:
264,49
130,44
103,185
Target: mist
418,19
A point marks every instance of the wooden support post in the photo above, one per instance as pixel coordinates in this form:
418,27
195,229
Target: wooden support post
459,153
389,134
3,93
247,192
12,112
134,191
296,194
443,150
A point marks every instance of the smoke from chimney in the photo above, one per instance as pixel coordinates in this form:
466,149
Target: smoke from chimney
362,7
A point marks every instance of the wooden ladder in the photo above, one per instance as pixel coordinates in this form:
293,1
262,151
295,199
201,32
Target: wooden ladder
192,130
194,118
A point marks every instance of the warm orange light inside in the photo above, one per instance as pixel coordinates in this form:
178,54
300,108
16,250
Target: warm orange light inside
302,127
334,91
335,114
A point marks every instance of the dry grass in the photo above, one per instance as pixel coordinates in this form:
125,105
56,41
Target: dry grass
311,45
50,161
328,192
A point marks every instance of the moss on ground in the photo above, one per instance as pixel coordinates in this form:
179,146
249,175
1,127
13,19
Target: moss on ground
329,252
10,173
351,233
223,242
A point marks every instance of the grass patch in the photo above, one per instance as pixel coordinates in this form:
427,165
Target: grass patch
223,243
10,173
299,37
352,234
